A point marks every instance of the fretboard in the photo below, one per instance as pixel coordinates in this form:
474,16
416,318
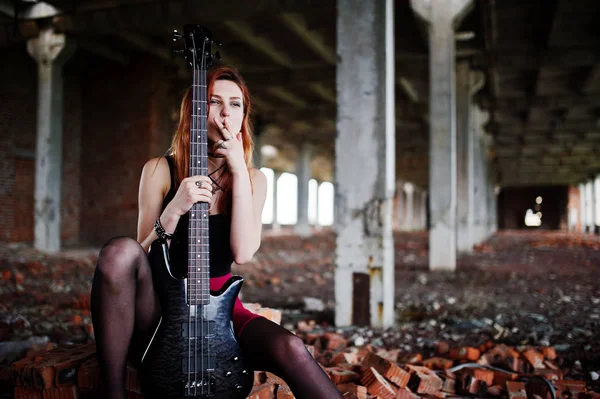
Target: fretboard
198,245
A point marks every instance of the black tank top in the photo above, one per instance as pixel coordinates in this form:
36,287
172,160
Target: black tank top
219,226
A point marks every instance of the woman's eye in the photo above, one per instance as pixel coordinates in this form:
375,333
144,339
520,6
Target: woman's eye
236,104
213,101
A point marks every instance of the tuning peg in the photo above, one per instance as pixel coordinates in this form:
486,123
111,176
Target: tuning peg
176,35
217,55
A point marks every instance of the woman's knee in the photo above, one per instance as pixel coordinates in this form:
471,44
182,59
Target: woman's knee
293,347
119,258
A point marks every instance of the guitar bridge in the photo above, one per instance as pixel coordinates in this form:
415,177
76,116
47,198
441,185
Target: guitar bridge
204,386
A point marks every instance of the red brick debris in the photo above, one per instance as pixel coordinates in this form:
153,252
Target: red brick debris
534,292
365,372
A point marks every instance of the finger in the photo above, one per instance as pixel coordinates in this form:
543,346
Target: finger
203,198
220,151
203,178
224,132
219,146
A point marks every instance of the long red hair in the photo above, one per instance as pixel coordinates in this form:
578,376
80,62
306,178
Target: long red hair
180,145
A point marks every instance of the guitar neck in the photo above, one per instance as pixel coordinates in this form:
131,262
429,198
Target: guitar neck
198,245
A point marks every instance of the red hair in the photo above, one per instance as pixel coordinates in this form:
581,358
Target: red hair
180,146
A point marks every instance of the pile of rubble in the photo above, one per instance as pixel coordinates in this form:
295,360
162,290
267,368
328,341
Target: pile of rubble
365,372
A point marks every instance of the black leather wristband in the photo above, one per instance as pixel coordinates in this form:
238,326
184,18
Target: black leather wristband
160,231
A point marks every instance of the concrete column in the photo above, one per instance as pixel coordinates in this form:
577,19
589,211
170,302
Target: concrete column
442,16
303,173
591,206
464,182
364,275
489,186
409,190
51,51
416,209
400,204
479,189
275,226
317,198
597,204
582,209
424,210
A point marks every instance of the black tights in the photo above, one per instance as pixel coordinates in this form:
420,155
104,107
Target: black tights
124,303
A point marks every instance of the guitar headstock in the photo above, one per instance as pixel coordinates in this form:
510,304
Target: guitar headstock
197,44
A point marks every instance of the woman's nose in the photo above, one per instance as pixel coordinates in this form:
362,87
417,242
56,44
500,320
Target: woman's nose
225,111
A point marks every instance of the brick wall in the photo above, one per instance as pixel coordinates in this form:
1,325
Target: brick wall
115,118
17,143
126,121
18,119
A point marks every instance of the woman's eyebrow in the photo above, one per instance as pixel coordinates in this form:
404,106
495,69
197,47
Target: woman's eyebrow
231,98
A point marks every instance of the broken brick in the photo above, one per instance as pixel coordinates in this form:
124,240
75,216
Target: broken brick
535,358
423,380
464,353
516,390
438,363
340,376
352,391
388,369
377,385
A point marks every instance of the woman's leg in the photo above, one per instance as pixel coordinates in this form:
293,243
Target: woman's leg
122,300
270,347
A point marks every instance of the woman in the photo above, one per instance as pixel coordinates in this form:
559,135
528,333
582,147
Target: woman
125,309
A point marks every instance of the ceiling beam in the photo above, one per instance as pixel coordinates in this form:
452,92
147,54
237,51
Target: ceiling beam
323,92
232,9
547,102
490,27
244,32
297,24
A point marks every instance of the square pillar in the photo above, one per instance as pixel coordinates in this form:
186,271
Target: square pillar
51,51
441,17
365,180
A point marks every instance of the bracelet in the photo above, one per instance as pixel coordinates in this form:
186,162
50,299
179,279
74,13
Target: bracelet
160,231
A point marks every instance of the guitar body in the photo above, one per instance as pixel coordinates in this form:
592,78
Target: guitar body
166,365
194,351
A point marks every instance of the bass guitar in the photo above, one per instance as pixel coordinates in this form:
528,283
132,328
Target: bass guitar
194,351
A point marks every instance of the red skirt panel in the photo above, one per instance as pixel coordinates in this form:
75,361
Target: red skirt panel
241,315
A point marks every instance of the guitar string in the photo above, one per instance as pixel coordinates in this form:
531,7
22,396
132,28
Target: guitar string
205,345
190,299
206,278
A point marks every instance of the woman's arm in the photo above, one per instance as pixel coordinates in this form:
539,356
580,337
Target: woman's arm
246,213
154,184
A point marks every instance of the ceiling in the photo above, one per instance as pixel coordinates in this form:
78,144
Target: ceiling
541,59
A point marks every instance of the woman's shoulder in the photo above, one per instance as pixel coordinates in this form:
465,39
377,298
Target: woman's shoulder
156,171
258,176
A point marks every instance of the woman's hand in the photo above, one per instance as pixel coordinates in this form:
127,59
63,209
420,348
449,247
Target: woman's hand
191,190
230,147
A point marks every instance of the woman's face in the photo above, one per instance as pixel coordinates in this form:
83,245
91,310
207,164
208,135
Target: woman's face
225,104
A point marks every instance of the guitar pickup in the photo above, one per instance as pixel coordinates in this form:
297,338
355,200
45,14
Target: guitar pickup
199,364
204,328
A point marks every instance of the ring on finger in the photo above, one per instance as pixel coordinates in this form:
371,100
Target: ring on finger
199,183
227,138
223,145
